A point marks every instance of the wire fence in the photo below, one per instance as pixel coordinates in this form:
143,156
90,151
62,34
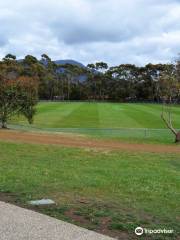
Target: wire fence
160,135
101,101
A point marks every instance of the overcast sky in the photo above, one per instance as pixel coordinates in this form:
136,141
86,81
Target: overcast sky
114,31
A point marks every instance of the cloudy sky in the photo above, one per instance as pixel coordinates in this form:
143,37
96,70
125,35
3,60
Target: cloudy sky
115,31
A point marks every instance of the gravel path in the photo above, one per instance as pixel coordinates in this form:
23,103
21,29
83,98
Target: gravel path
21,224
84,142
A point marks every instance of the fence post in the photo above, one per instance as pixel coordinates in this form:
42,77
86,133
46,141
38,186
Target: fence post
145,133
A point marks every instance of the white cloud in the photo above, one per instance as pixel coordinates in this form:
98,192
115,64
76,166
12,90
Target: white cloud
116,31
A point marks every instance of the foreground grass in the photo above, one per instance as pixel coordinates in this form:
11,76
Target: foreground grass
110,192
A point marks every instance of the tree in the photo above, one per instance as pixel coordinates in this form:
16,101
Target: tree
28,97
96,79
8,99
170,91
17,96
69,76
9,57
49,81
18,88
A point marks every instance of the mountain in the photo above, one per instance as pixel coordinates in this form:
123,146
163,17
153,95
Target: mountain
81,77
61,69
65,61
69,61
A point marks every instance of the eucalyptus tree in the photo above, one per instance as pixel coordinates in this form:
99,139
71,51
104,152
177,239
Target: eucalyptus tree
18,92
96,79
72,83
170,91
49,81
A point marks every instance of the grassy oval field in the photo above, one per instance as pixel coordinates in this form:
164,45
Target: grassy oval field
110,120
100,115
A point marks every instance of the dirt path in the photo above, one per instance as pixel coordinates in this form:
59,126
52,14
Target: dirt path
84,142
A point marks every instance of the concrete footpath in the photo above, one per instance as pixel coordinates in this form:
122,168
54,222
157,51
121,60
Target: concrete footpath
21,224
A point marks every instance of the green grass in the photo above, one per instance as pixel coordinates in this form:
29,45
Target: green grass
100,115
138,122
129,188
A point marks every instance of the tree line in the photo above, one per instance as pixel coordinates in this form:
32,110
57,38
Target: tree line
98,82
125,82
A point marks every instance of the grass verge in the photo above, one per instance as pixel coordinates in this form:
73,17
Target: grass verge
109,192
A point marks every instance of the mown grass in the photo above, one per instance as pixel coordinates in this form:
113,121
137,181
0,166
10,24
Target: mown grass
100,115
136,122
129,189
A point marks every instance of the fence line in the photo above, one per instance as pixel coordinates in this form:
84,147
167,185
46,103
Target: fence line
90,128
162,135
98,101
